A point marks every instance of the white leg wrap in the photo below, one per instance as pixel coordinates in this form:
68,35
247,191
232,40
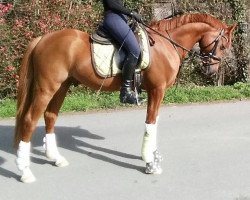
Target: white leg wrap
149,144
23,155
23,162
52,152
27,176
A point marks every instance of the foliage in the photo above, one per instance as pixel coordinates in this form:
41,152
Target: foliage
23,20
243,88
8,82
7,108
86,100
241,50
200,94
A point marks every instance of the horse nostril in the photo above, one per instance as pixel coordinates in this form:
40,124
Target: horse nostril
208,70
205,69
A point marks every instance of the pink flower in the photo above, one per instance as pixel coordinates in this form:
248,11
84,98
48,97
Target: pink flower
2,21
42,25
9,68
28,34
2,49
4,9
57,19
19,23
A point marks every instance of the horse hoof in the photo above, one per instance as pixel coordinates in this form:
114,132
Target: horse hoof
153,168
27,176
157,157
61,162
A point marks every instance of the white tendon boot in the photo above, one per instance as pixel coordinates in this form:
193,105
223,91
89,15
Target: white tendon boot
23,162
149,151
52,152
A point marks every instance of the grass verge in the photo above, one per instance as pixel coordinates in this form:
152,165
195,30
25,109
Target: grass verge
85,100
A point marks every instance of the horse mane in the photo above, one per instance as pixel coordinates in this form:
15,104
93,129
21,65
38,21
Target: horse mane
169,24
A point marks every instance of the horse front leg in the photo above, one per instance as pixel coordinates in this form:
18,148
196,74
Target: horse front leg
50,116
149,150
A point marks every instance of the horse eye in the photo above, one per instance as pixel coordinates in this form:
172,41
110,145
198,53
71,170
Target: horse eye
222,47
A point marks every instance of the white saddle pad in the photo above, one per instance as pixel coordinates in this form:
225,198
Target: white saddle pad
107,59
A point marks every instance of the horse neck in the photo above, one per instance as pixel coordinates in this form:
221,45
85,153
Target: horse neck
189,34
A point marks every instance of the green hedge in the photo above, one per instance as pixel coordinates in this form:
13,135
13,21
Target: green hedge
22,20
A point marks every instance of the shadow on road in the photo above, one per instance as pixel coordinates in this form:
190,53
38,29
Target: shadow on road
70,138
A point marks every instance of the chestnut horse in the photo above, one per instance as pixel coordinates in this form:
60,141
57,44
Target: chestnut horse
56,60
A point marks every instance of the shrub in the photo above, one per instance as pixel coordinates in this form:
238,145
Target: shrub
22,20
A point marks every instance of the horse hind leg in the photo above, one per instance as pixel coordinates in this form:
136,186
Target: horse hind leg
27,126
50,117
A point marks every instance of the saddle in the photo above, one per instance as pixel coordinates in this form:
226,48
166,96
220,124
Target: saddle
101,36
108,57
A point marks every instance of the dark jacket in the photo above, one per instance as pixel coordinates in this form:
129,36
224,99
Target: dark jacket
116,6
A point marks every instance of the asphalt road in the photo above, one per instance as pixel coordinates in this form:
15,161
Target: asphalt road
206,150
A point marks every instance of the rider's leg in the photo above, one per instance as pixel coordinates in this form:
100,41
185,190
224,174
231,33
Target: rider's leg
118,28
127,95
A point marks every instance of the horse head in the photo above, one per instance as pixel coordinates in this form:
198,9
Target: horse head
214,37
213,46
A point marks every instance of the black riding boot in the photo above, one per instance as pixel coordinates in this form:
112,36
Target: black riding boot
127,95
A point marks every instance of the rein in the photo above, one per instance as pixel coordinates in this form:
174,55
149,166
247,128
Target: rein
169,39
204,56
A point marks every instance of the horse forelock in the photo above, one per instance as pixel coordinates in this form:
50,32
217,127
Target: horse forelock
169,24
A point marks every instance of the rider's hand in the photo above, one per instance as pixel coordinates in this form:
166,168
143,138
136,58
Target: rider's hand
136,16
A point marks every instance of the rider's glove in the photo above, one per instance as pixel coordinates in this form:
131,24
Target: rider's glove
136,16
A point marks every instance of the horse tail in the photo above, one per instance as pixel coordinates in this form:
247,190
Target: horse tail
24,94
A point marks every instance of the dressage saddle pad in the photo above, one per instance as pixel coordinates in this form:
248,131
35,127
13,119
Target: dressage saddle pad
107,58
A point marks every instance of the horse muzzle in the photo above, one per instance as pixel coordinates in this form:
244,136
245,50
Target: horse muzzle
210,64
210,69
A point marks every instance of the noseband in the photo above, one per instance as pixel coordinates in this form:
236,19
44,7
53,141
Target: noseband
211,55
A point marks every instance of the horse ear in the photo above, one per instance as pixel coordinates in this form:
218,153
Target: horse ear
229,32
231,28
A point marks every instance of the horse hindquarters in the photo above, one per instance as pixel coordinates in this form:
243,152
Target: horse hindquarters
28,123
34,95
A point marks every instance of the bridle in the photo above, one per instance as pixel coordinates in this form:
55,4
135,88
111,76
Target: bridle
208,57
